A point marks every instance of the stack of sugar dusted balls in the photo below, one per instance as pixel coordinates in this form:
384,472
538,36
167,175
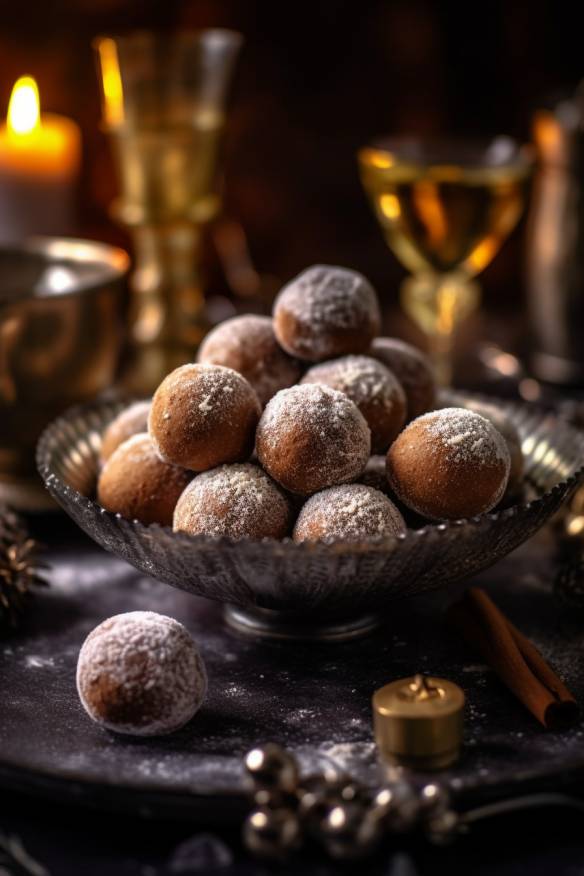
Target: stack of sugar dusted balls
306,425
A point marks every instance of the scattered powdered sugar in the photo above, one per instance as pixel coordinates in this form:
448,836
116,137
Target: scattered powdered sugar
32,661
312,435
363,379
235,500
349,512
466,436
248,344
142,666
326,297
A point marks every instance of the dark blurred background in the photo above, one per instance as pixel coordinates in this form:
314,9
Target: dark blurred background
315,81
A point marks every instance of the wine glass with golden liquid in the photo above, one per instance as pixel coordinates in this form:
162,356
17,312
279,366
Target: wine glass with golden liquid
445,208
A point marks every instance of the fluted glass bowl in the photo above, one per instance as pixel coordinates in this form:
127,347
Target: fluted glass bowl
311,581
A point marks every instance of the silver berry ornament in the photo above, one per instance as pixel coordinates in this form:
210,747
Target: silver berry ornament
316,797
402,807
271,833
271,767
443,827
434,798
347,833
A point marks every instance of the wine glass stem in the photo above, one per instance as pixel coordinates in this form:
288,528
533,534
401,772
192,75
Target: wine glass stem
446,303
440,350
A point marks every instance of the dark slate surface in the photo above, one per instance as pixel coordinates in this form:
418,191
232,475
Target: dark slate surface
313,698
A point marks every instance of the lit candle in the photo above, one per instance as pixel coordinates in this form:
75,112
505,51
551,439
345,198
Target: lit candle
39,163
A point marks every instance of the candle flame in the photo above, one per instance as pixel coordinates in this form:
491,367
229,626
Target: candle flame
111,81
24,113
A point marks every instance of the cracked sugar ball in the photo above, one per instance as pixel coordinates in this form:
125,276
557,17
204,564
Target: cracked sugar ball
311,437
240,501
249,346
136,483
413,370
140,674
131,421
449,464
373,388
326,312
204,415
350,512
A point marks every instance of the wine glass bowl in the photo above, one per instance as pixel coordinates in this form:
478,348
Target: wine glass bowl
445,208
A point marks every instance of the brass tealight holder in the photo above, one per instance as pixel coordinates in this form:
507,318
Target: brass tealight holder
418,722
164,111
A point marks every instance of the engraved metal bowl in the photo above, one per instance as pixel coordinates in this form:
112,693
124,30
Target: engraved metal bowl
334,590
62,305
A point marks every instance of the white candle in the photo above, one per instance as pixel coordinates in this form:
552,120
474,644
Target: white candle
39,163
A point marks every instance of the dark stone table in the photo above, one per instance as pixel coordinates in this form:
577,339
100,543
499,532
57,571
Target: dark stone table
314,699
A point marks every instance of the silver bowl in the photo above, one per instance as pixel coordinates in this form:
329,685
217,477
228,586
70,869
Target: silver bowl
334,590
61,331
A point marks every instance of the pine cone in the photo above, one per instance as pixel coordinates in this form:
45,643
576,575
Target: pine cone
19,568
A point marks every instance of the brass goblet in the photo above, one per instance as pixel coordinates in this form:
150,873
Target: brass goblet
164,111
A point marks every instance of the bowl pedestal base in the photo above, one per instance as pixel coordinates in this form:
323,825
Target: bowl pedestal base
265,623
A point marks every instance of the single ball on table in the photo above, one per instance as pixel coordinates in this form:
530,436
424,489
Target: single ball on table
449,464
505,425
140,673
311,437
373,388
136,483
249,346
350,512
326,312
202,416
240,501
131,421
413,370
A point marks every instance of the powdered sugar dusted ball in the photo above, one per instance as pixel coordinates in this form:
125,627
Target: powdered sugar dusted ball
449,464
326,312
350,512
413,370
204,415
311,437
136,483
248,345
131,421
141,674
372,387
505,425
240,501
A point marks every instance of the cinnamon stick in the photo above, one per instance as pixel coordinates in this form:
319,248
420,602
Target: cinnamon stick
514,658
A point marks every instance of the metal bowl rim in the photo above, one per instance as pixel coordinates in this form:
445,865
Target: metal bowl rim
381,545
113,261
